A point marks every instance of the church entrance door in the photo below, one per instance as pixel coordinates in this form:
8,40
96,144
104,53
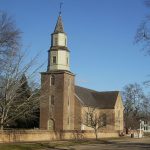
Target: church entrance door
51,124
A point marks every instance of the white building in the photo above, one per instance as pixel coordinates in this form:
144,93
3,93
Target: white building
146,126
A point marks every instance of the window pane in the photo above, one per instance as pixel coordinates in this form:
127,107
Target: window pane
54,59
50,124
52,100
68,101
52,80
102,120
68,120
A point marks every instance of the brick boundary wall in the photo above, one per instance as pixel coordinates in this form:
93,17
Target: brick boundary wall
8,136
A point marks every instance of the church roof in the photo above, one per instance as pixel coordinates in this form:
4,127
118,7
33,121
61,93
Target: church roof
59,26
103,100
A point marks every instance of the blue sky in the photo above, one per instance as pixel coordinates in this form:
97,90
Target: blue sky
100,37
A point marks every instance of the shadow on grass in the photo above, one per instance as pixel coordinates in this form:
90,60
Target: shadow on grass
20,146
141,146
70,145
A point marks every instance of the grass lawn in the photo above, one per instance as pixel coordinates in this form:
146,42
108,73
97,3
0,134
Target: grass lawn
54,144
36,146
20,146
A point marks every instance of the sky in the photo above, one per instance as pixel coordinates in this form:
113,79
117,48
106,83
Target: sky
100,37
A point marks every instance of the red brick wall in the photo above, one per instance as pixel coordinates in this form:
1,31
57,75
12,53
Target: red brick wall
63,89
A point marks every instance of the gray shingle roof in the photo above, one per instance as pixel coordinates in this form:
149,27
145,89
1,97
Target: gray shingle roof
103,100
59,26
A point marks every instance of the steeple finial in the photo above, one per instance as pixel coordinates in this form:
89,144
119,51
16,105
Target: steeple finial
59,25
60,8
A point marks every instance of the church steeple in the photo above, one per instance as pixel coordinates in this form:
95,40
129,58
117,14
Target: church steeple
59,25
58,55
57,85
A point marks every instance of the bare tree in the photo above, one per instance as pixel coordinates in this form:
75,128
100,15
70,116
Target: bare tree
14,103
146,108
143,35
9,38
143,32
133,97
95,120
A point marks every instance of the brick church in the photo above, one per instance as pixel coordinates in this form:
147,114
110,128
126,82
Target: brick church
63,104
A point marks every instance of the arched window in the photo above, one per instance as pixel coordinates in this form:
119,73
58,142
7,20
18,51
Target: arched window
68,121
68,101
103,120
52,99
50,124
88,119
54,59
53,80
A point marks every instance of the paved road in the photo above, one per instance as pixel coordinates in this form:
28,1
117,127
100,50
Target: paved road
131,144
113,147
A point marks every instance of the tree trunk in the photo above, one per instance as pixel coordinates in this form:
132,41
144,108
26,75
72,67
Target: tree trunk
1,127
2,123
127,130
96,134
